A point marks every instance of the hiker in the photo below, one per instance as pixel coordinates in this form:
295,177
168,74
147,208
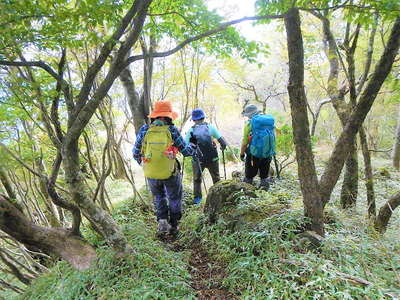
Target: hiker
258,144
155,149
203,134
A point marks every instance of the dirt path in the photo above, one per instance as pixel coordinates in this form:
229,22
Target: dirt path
207,274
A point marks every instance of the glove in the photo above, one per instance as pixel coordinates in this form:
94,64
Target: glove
242,157
193,139
222,142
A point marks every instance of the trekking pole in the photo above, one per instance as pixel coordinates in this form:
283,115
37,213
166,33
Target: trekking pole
276,168
183,168
199,166
223,161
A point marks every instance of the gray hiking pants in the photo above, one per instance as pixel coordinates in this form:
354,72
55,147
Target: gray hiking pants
213,168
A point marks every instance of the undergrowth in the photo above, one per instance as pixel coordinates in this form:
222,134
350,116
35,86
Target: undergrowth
267,262
154,273
263,261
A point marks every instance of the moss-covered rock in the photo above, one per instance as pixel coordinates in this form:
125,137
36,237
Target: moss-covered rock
223,195
240,205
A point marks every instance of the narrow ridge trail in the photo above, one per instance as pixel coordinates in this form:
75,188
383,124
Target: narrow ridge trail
207,274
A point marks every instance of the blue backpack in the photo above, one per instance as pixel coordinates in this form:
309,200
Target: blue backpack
262,143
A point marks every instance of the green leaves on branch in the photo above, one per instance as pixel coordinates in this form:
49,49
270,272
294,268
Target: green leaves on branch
182,19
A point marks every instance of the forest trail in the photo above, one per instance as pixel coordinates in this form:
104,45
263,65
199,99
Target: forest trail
207,274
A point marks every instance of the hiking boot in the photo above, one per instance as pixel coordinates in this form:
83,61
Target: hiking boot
163,227
248,180
264,184
197,200
174,231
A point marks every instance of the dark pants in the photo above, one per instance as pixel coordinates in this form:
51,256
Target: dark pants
254,164
167,198
213,168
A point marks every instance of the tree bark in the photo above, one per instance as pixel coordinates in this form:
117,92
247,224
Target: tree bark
52,241
135,102
358,115
369,179
5,180
396,146
349,192
109,229
313,207
385,213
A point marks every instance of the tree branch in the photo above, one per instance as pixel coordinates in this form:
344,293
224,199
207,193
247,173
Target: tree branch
39,64
220,28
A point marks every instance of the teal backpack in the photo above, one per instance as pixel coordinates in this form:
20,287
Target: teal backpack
262,144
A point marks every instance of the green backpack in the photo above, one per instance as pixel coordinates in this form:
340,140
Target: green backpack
157,165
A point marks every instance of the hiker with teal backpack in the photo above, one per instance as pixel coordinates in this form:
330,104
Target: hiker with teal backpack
258,144
155,149
202,134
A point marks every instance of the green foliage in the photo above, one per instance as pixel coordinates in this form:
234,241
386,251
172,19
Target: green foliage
191,18
266,261
154,273
57,23
231,154
284,141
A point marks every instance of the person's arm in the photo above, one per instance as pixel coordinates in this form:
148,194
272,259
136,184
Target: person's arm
245,140
214,132
187,136
137,148
187,149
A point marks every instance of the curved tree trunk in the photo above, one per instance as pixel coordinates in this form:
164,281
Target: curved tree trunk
53,241
105,224
385,213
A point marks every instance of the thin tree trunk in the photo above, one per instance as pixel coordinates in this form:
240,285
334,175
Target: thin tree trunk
313,207
5,180
386,212
396,146
348,196
133,98
52,241
369,179
358,115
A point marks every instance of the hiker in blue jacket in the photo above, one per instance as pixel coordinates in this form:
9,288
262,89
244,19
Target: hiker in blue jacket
258,144
203,134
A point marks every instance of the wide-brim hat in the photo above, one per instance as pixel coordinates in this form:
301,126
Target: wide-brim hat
163,109
250,110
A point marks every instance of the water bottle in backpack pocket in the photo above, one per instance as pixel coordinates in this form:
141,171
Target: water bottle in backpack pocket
262,142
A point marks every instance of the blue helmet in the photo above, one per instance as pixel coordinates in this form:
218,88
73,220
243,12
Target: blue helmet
198,114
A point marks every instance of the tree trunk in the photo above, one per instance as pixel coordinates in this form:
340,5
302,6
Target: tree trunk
52,241
369,179
358,115
313,207
396,147
348,196
7,183
104,222
134,100
385,213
